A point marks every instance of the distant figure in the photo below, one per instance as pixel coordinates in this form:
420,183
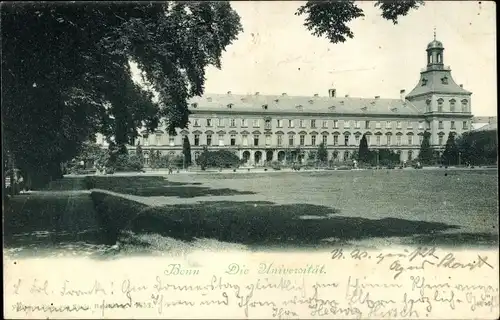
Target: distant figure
446,174
170,170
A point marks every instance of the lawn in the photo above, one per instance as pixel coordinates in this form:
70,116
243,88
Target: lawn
260,211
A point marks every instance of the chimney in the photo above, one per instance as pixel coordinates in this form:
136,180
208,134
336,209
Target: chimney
402,93
229,92
316,95
257,93
377,97
332,93
283,94
461,85
347,96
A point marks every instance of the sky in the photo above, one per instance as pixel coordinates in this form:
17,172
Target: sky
275,53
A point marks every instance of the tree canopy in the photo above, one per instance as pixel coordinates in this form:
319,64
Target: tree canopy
330,18
67,75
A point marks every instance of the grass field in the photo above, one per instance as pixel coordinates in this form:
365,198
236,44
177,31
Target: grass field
262,211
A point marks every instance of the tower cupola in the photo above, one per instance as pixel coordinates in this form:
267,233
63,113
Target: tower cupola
435,54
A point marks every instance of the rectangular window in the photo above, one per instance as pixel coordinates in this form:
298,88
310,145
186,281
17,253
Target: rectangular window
452,106
233,140
410,140
388,140
196,139
313,140
301,123
146,140
398,124
357,140
440,140
209,139
420,139
452,125
388,125
346,140
367,124
347,124
221,140
209,122
313,123
440,125
244,140
325,123
290,123
196,122
335,124
244,123
302,139
280,140
233,123
398,140
290,140
220,122
255,123
325,140
440,106
420,125
368,139
464,125
378,140
255,140
268,140
267,124
158,139
410,124
171,140
280,123
358,124
335,140
377,125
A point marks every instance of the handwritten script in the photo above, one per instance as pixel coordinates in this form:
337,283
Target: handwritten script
346,283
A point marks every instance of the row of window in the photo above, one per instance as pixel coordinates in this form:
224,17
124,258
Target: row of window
255,140
465,125
453,107
221,122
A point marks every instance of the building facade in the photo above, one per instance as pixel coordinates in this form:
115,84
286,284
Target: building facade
260,128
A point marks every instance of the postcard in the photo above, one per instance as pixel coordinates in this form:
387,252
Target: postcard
250,160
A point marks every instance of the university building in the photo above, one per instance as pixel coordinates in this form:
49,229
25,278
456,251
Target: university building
260,128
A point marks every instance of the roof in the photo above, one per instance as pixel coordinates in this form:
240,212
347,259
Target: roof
295,104
435,44
437,81
488,127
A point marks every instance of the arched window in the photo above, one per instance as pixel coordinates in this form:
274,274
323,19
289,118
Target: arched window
440,105
465,106
452,105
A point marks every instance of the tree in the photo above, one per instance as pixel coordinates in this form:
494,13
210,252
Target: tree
322,154
330,18
478,147
139,153
218,159
186,151
67,75
364,152
450,154
425,155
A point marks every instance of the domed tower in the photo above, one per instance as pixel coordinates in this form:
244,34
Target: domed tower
445,105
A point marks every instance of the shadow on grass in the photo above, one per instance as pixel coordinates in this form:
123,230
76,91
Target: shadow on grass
265,223
155,186
455,239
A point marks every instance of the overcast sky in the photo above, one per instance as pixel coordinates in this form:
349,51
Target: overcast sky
276,54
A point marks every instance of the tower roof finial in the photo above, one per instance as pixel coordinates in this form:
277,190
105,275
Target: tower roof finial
434,33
